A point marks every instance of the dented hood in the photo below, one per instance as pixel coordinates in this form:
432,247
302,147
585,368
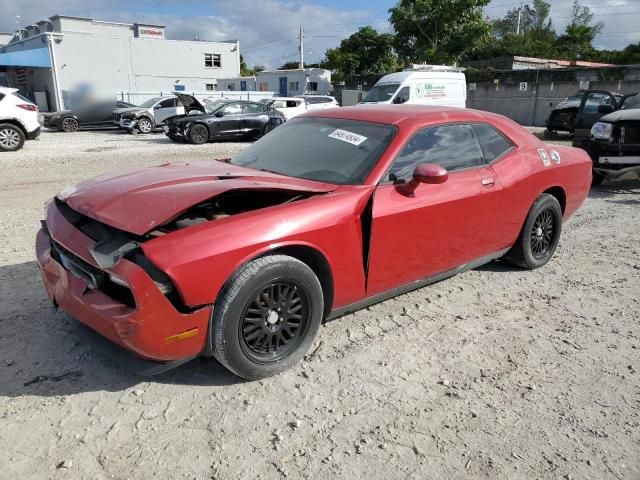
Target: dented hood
137,201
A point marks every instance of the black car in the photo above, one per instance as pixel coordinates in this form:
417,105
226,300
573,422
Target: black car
222,119
92,116
614,142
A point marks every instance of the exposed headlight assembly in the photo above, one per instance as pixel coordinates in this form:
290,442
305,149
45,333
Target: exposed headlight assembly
602,131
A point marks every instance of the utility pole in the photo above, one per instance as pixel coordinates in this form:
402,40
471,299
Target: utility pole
301,47
519,17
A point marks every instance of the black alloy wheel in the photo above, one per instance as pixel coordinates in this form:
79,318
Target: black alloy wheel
275,320
542,233
267,316
199,134
539,236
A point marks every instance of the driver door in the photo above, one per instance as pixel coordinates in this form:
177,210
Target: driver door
438,227
588,113
230,124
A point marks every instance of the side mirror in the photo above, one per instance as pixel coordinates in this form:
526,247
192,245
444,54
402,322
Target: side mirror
399,100
426,173
605,109
219,114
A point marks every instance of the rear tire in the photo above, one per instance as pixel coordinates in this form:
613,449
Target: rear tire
539,236
11,138
198,134
267,317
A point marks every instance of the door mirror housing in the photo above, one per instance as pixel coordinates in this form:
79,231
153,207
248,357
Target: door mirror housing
220,114
426,173
605,109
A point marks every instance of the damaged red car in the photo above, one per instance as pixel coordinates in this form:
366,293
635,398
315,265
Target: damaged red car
244,259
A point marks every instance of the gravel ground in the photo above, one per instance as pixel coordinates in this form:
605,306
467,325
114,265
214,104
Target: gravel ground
496,373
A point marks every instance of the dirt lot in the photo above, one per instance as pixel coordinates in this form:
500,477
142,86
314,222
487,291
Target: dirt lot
497,373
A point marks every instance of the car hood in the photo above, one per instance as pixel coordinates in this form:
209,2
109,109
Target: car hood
137,201
190,102
622,116
131,110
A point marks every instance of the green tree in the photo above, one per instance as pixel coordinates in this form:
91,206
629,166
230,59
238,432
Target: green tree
438,31
365,51
577,41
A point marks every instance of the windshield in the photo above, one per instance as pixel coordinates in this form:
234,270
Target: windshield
381,93
150,103
632,102
572,101
328,150
211,106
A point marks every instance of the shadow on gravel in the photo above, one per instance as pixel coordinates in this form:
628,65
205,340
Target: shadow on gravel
41,354
612,188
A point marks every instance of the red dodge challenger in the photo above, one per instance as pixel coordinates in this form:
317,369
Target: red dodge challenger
243,259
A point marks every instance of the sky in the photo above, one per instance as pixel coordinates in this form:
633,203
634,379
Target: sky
268,29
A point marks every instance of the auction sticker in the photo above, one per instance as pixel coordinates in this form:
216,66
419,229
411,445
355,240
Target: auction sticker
349,137
544,156
555,156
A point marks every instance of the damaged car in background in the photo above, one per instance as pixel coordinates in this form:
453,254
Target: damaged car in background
243,259
222,119
149,115
614,145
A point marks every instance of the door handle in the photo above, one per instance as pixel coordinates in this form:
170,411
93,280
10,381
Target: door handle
488,182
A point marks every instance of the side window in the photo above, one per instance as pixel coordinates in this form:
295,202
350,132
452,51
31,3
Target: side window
452,146
293,103
168,103
233,109
403,95
250,108
492,142
594,100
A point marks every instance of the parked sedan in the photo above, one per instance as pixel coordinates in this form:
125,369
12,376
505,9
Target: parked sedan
205,121
319,102
93,116
338,209
150,115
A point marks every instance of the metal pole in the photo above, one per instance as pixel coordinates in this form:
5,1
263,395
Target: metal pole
54,70
519,17
301,47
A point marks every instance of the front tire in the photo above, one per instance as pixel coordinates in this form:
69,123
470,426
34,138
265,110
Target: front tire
145,125
198,134
267,317
539,236
69,125
11,138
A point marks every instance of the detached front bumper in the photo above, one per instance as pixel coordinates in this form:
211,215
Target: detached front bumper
152,328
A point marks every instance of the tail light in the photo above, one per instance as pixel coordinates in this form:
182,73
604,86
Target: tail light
28,106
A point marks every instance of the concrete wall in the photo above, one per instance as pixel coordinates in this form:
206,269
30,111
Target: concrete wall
532,106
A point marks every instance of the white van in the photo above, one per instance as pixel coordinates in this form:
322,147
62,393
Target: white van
422,84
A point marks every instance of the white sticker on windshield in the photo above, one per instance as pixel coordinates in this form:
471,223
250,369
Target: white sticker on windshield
349,137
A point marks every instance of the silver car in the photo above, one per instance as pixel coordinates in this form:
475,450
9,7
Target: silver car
150,115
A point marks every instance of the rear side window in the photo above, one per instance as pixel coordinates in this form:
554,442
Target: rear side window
169,103
452,146
492,142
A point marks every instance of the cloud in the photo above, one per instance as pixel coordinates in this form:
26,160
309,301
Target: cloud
267,29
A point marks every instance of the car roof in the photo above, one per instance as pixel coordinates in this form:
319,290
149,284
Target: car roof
287,98
419,116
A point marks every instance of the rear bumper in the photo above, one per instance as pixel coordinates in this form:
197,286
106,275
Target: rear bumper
33,135
145,329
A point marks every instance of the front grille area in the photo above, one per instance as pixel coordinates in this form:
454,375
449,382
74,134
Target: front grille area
630,135
95,278
116,117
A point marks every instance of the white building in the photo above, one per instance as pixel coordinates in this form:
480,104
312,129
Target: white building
295,82
239,84
61,54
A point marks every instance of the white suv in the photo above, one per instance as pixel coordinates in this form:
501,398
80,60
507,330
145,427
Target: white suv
18,120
